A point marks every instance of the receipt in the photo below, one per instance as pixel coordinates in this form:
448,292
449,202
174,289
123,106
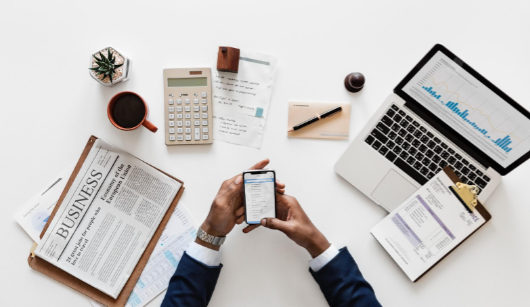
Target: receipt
426,227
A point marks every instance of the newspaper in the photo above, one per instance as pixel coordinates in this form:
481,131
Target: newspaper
180,231
107,218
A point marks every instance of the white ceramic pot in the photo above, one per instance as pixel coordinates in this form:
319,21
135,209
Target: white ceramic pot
126,68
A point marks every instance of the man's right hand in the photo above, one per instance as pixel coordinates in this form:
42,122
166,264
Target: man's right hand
294,222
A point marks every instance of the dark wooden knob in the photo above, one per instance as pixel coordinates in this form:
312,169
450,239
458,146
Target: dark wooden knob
354,82
228,59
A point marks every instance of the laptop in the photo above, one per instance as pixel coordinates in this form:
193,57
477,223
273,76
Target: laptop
442,113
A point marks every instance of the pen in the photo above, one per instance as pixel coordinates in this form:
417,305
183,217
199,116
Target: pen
316,118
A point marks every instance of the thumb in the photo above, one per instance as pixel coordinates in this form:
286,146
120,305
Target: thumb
274,223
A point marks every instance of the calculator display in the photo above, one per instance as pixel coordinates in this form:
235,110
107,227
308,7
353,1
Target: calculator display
186,82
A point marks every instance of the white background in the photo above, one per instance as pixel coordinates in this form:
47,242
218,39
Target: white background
50,107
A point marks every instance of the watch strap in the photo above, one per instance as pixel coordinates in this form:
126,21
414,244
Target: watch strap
206,237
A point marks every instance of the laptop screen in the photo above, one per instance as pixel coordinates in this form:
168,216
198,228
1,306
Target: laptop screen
491,123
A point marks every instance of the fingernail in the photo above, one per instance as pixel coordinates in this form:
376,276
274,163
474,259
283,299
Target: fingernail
278,181
238,180
264,222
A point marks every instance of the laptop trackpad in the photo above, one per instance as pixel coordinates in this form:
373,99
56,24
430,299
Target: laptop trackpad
393,190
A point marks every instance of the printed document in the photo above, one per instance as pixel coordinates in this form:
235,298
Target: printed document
427,226
241,100
180,231
107,218
35,213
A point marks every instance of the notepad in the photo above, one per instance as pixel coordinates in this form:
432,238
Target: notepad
333,127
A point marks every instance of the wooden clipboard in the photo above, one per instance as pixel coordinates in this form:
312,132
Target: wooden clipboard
479,207
61,276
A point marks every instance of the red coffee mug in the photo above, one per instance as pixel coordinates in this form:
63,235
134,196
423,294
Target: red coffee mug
147,124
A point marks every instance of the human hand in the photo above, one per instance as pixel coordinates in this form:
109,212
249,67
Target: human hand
227,209
294,222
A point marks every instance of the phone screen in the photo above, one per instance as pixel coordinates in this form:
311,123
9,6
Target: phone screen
260,196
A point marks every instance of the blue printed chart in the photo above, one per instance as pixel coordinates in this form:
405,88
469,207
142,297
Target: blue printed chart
472,109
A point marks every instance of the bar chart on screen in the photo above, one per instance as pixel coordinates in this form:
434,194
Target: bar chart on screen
472,109
462,110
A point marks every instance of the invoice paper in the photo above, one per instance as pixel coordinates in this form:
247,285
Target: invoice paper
107,218
35,213
180,231
241,100
427,226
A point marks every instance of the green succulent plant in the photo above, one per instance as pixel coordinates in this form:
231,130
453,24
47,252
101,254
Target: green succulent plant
106,65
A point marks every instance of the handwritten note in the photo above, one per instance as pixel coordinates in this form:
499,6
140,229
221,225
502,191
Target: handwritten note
241,100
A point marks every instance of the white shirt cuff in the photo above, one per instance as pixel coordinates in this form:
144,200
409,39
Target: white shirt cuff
321,260
204,254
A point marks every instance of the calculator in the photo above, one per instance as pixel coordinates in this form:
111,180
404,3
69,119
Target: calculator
188,106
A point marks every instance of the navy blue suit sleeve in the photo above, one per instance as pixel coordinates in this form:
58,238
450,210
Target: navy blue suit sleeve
192,284
343,284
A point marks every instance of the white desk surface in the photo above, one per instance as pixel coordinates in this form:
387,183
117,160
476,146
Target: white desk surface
50,106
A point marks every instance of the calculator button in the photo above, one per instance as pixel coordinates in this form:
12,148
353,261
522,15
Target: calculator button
179,123
171,116
171,101
179,101
179,130
188,130
204,101
203,94
204,129
205,123
196,109
179,108
187,108
197,133
171,137
196,115
204,115
179,116
188,115
204,108
197,123
195,100
171,130
188,123
180,137
186,101
171,123
172,109
188,137
205,136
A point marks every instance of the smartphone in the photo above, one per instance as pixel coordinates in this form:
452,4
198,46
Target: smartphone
260,195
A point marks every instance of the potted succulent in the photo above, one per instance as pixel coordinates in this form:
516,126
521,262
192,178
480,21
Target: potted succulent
109,66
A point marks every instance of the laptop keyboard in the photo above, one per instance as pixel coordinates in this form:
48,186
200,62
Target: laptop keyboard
416,151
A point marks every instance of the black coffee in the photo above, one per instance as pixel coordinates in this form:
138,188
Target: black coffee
128,111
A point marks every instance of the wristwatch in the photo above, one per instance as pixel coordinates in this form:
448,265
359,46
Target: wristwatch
206,237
